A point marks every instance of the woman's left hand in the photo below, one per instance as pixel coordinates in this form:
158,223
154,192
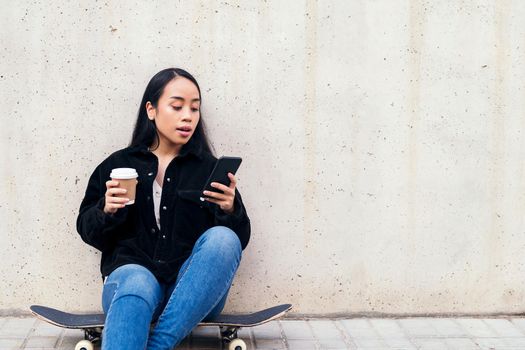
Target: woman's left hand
223,200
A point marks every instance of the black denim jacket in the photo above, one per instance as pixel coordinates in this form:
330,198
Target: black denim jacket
131,234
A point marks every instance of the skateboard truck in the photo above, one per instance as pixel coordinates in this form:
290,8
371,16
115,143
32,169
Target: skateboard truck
230,337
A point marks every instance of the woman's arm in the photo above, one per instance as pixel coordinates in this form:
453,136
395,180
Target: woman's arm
230,211
93,223
238,220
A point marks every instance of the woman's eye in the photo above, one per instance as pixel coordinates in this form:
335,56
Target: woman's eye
195,109
177,108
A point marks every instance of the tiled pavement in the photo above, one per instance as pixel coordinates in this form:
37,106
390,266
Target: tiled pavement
354,333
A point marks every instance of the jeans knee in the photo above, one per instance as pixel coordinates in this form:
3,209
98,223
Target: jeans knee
134,280
222,239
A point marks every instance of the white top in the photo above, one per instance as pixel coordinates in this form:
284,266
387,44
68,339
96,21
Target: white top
157,193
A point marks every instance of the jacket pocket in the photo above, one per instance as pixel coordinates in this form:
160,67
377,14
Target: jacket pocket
196,197
192,196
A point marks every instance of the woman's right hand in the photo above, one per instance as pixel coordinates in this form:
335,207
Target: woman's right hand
114,203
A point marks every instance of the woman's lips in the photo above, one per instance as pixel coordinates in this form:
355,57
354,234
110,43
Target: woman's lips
184,133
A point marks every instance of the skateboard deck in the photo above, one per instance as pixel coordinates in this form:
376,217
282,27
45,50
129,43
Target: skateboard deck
92,324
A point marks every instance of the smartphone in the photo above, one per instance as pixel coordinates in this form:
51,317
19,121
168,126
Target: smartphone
223,166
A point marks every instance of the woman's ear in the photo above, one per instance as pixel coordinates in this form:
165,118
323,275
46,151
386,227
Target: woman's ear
150,110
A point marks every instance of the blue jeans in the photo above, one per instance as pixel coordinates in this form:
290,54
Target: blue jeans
132,297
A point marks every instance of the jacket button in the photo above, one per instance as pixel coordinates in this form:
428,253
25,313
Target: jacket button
150,174
164,236
149,198
168,179
164,208
152,230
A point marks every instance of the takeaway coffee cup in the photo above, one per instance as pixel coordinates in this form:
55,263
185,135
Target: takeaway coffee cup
127,178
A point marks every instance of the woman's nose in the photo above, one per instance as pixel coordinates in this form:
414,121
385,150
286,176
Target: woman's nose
186,115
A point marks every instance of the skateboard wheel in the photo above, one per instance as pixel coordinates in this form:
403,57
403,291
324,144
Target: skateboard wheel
84,345
237,344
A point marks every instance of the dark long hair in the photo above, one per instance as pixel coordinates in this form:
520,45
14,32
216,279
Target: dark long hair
145,132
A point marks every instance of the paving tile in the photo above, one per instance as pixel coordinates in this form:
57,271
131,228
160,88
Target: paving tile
392,334
509,347
493,343
359,328
332,344
17,327
11,343
399,343
41,342
519,341
430,344
325,329
268,330
500,343
264,344
515,341
302,344
21,333
476,327
346,337
448,327
417,327
387,328
297,330
461,344
504,327
44,329
519,322
19,322
369,343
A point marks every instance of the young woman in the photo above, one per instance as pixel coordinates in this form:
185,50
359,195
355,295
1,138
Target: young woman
169,257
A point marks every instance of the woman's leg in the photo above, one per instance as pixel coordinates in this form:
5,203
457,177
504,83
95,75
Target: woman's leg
130,296
202,284
216,311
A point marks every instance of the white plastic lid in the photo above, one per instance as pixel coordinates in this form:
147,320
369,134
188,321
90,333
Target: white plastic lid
123,173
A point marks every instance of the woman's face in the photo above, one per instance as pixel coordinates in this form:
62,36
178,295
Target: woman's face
177,112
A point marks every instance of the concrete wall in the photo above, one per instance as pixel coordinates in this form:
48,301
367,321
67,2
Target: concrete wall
383,144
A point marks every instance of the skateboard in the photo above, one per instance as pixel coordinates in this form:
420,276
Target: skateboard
92,324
